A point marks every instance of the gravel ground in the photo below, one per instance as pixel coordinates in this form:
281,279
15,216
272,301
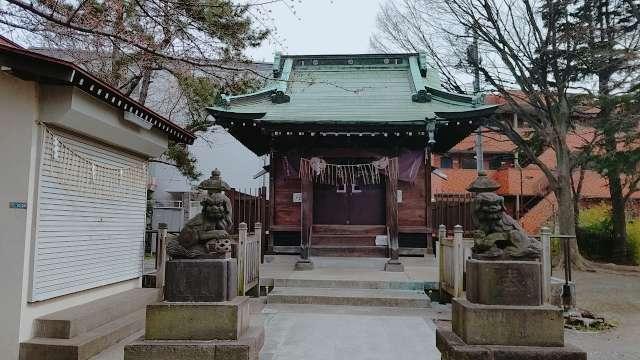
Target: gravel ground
617,297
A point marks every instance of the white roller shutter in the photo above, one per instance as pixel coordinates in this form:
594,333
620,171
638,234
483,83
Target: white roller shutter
90,216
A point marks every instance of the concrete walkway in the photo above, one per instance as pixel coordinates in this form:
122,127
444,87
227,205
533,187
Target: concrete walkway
323,332
617,297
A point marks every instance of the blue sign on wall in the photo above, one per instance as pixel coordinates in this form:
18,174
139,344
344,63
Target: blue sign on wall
17,205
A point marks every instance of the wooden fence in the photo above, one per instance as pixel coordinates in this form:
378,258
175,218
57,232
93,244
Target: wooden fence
247,250
453,209
250,206
451,256
249,255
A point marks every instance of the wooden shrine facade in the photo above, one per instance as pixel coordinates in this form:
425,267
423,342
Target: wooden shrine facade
349,139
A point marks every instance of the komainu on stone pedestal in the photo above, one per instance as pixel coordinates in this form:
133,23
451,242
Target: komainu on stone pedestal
202,318
498,236
206,236
503,315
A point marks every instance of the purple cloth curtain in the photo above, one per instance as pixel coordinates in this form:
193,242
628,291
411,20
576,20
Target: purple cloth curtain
409,162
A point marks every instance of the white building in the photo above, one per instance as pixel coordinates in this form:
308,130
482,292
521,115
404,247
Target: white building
73,179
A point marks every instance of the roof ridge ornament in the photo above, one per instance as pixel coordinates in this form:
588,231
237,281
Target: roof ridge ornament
422,62
279,96
276,64
420,93
422,96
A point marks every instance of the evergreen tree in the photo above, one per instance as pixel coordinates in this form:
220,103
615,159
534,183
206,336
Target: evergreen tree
610,37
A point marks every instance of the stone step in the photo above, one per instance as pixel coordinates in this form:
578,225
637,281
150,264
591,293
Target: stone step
85,345
349,284
353,297
348,251
343,240
247,347
349,229
77,320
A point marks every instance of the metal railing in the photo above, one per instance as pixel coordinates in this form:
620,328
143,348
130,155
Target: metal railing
169,204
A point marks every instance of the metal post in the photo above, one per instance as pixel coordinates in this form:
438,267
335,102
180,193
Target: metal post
545,238
458,261
566,288
442,234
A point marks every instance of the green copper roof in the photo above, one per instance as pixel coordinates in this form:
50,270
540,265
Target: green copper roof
351,89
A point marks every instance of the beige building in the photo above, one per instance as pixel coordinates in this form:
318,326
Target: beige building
73,160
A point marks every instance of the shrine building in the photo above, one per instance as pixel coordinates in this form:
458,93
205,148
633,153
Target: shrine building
350,139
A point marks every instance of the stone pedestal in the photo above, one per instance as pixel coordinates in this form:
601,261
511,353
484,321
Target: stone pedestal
201,319
504,282
452,347
478,324
503,317
226,320
201,280
198,331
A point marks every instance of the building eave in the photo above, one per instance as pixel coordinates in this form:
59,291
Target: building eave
34,66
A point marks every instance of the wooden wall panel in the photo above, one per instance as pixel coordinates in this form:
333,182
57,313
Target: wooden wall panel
286,212
411,211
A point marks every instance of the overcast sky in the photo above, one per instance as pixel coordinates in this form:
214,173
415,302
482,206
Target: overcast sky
317,27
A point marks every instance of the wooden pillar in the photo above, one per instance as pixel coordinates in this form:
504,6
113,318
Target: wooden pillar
161,255
394,263
306,220
428,216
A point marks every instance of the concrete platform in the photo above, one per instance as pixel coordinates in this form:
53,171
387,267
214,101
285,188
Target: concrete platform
80,332
417,270
350,284
83,346
76,320
353,297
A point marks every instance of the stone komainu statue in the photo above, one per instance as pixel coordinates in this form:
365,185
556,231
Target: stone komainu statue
498,235
206,235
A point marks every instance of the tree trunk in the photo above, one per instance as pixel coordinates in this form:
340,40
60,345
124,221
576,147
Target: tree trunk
564,195
619,246
144,89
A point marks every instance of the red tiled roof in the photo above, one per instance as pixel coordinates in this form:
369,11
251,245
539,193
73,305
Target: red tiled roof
595,186
538,215
492,142
457,181
526,181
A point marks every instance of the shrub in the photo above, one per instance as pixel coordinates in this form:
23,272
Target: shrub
596,219
633,240
595,233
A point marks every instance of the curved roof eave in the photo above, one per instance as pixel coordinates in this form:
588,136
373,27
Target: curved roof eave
475,112
223,113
